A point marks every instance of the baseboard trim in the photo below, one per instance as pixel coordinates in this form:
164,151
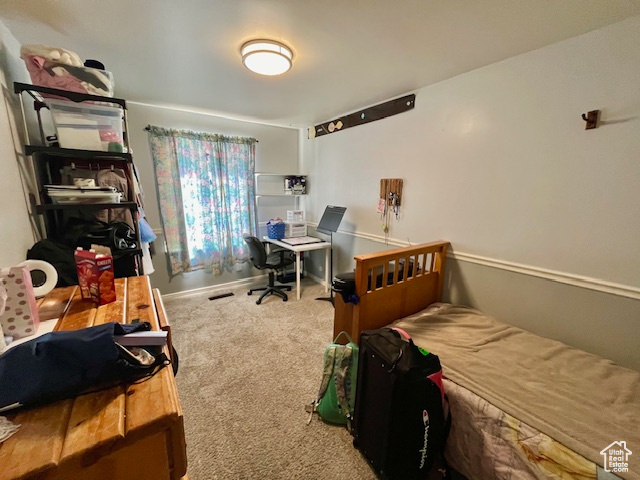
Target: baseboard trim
211,288
574,280
222,286
315,278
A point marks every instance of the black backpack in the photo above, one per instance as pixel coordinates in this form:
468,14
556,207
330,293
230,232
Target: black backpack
60,256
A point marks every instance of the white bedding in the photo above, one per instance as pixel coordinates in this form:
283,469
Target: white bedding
582,401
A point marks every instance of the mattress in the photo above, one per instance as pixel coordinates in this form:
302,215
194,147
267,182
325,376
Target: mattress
578,401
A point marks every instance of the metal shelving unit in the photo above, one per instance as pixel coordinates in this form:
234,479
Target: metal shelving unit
49,159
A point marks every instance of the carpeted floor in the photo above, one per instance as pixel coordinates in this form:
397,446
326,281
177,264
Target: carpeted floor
246,373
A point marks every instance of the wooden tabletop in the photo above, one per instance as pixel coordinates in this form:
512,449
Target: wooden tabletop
72,435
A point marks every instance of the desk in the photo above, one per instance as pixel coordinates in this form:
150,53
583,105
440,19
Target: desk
306,248
126,432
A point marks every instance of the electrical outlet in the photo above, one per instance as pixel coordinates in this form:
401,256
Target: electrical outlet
320,268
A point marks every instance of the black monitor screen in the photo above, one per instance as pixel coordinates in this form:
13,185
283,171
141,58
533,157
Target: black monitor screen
331,219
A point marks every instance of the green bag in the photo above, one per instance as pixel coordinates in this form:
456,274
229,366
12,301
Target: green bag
336,397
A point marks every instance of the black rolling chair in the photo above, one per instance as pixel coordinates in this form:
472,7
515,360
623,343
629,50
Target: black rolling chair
274,262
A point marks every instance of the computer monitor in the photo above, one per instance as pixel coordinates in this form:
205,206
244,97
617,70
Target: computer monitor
331,219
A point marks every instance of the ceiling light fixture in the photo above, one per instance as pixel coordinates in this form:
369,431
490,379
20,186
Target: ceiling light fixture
266,57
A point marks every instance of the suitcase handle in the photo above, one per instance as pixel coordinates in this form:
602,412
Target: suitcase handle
402,333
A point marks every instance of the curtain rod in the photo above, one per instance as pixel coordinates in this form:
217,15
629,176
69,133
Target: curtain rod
148,128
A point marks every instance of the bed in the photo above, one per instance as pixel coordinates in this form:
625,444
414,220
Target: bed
523,406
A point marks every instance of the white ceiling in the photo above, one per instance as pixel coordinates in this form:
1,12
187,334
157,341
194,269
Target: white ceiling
348,54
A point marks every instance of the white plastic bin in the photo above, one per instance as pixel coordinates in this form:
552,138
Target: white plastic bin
87,126
295,215
295,229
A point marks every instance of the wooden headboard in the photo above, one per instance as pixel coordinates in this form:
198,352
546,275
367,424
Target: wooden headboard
395,294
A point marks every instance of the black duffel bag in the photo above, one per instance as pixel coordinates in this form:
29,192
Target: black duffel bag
60,256
118,236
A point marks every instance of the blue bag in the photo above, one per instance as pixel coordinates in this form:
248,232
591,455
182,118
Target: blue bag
60,365
146,232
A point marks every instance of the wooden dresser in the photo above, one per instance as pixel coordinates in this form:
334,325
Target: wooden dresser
123,433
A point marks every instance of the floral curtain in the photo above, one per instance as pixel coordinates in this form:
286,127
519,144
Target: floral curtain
207,197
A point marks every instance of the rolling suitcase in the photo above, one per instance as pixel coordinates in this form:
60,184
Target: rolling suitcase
399,420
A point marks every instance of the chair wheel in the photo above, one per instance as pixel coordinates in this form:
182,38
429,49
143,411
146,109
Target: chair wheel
285,299
249,293
258,302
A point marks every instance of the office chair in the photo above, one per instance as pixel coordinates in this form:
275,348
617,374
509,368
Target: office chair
274,262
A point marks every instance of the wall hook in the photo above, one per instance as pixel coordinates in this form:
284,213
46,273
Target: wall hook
591,118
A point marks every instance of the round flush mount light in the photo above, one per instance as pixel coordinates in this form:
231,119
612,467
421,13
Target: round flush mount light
266,57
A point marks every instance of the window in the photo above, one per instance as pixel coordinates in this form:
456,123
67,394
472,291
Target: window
207,197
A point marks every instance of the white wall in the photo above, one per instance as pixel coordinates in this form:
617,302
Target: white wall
497,161
16,235
276,151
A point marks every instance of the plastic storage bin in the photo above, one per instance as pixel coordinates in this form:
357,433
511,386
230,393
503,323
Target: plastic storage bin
295,229
63,69
73,79
295,215
87,126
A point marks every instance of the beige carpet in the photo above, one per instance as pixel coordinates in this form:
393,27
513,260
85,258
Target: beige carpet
246,373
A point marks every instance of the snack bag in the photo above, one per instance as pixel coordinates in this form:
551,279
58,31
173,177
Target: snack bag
95,274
